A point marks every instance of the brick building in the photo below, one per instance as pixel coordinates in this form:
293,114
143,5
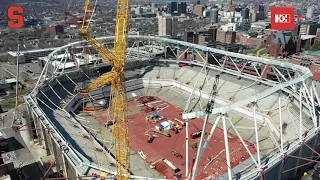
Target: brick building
297,29
318,35
191,36
202,39
198,10
212,31
227,37
251,41
55,30
282,43
308,61
230,37
221,35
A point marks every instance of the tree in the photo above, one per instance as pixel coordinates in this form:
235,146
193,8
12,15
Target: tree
315,46
307,45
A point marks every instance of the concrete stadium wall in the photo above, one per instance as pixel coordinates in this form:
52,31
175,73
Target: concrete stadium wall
51,146
300,165
102,93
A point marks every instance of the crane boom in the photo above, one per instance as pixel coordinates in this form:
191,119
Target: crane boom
105,53
116,77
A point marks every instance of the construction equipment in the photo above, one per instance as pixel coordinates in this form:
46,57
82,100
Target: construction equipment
176,153
195,135
150,137
153,164
174,168
175,130
149,107
151,119
117,59
161,132
146,99
67,12
180,122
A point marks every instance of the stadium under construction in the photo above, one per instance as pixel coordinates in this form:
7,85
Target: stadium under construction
194,111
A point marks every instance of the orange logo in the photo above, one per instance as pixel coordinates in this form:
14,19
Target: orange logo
15,16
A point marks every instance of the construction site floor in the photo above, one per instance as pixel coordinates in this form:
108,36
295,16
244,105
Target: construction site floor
162,146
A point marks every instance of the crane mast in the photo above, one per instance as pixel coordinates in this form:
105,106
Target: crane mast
117,59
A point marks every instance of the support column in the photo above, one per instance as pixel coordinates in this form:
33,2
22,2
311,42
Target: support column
25,131
65,166
200,149
45,140
281,139
226,143
165,51
256,133
39,133
298,160
187,148
56,156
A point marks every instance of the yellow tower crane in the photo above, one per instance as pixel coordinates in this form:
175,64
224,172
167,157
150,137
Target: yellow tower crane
117,60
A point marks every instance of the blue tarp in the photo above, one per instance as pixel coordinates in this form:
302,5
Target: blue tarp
155,115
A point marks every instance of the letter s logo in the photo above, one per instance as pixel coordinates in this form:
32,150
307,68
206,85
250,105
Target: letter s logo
16,20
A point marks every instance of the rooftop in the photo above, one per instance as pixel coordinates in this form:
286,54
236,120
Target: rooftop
30,51
284,37
304,37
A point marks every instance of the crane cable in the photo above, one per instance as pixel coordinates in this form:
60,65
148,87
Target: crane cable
99,133
90,134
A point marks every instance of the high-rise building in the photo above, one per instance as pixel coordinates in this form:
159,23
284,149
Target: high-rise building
310,12
214,16
172,7
261,8
212,33
191,36
254,15
245,25
221,36
138,10
182,8
154,7
198,10
230,37
167,26
266,10
202,39
237,9
245,13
